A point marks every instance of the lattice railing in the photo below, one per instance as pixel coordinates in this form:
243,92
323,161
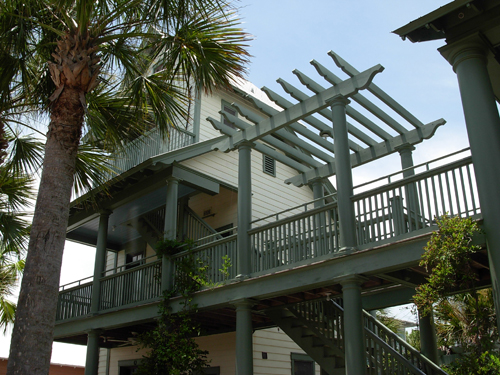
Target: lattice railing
74,302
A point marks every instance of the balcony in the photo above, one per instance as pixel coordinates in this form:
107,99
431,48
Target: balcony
396,210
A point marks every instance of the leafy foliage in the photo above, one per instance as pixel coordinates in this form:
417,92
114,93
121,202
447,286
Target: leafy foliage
448,257
171,345
487,363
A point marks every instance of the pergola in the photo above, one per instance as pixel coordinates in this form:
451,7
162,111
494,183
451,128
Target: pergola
299,129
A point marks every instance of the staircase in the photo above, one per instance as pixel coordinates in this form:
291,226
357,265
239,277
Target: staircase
317,327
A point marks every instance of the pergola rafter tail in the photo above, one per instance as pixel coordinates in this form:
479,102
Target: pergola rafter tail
297,112
381,149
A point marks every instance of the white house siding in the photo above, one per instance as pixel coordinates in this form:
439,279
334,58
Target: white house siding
272,341
278,347
270,194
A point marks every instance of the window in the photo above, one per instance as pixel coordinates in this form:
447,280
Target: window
227,108
302,364
269,165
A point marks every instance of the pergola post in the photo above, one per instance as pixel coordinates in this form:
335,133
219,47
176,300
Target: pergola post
92,357
100,260
411,196
468,58
428,340
244,261
347,230
170,232
355,350
319,219
244,331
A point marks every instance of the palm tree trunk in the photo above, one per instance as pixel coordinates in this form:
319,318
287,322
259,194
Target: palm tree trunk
31,344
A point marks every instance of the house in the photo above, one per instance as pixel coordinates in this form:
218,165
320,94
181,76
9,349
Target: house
55,368
248,179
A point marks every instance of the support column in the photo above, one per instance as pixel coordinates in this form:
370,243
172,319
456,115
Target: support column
468,59
347,218
92,358
355,350
411,194
100,260
170,232
428,340
244,331
244,261
320,232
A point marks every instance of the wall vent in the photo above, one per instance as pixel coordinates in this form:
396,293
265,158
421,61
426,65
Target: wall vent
269,165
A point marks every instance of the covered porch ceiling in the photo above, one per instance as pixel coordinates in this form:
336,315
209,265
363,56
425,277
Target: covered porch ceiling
296,124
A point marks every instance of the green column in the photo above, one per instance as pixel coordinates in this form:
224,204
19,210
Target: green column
244,261
100,260
92,358
320,232
411,194
244,331
355,350
483,127
347,219
170,232
428,341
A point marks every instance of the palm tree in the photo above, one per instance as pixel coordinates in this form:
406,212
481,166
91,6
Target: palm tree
109,69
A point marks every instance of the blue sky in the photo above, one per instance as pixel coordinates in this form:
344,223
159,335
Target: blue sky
289,33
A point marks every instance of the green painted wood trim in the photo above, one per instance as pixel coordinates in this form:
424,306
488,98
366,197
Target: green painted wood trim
197,115
372,153
326,113
279,144
288,134
301,110
378,92
260,147
195,180
334,80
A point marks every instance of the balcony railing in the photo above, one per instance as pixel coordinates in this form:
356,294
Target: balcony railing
298,235
149,145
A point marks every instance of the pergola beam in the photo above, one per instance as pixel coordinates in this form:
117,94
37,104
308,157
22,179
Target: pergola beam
381,149
326,113
351,112
300,110
377,91
313,121
289,136
261,147
287,149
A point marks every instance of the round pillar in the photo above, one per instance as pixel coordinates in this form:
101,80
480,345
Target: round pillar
92,358
244,332
355,349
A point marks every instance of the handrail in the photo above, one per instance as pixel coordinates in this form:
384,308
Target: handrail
141,263
401,342
205,246
404,361
294,208
79,283
285,220
426,164
414,178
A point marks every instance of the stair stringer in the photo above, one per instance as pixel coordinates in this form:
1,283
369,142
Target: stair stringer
320,349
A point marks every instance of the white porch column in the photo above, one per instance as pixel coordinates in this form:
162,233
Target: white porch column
468,58
100,260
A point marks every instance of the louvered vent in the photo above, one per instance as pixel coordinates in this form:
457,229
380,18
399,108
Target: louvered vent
226,107
269,165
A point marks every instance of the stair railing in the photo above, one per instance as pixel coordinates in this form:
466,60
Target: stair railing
387,353
387,350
